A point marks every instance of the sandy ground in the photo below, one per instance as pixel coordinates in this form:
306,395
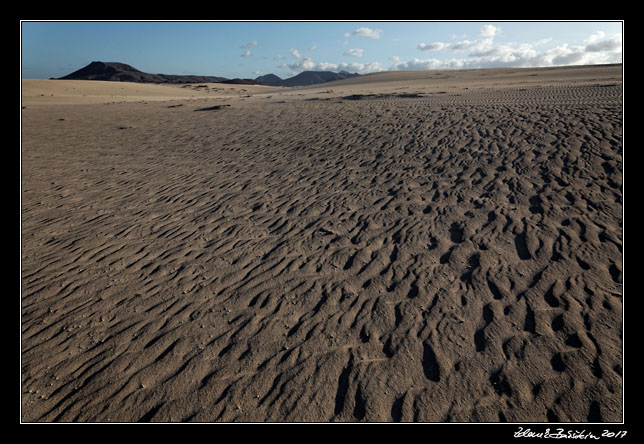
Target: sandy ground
439,246
61,92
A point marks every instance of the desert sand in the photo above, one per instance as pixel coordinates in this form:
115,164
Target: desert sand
426,246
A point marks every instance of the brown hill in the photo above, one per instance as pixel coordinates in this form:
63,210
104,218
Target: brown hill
121,72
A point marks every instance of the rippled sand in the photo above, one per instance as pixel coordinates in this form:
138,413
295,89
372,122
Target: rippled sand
412,246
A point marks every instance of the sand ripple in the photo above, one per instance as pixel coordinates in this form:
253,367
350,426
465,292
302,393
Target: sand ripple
449,257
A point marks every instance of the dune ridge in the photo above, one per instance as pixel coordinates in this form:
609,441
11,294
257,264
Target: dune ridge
416,248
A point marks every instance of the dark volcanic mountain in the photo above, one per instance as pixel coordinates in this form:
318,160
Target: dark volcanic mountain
314,77
269,79
120,72
106,71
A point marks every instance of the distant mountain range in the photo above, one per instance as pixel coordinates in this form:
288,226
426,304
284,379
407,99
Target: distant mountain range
120,72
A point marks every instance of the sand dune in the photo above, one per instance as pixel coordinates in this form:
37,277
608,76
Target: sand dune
425,246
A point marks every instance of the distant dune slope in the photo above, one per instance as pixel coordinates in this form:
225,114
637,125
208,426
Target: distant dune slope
57,92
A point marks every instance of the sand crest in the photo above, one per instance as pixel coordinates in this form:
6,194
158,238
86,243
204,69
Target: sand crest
437,246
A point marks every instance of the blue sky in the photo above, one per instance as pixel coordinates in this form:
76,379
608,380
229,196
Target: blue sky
249,49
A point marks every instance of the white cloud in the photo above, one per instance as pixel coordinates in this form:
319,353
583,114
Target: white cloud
246,53
613,44
485,53
436,46
598,35
305,63
361,68
367,32
420,64
314,47
295,53
302,63
249,44
476,46
357,52
489,30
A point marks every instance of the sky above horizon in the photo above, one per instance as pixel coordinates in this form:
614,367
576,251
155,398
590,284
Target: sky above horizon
238,49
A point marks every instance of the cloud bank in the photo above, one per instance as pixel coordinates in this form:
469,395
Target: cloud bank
486,53
483,51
